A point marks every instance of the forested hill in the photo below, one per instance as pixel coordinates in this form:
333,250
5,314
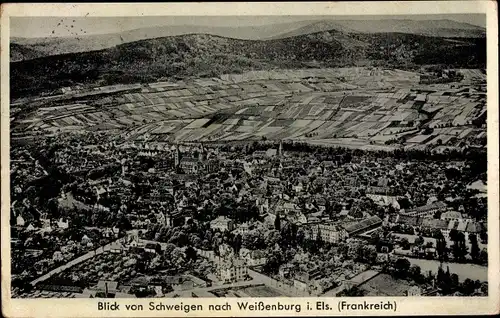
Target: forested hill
207,55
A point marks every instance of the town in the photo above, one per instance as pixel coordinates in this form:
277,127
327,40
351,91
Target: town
93,215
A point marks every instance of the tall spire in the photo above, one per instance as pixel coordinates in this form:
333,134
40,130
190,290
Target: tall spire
203,155
177,155
280,149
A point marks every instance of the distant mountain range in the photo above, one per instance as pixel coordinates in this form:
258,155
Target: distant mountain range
31,48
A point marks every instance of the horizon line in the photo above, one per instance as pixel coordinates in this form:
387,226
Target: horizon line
328,18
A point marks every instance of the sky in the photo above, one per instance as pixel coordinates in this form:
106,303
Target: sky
34,27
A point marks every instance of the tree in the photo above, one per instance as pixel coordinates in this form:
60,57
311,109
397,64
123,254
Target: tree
442,250
454,281
405,244
353,292
272,237
415,272
474,248
483,257
191,253
483,235
369,254
178,257
419,241
401,267
237,243
273,263
459,247
169,248
468,287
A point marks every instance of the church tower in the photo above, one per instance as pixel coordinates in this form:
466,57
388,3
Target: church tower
280,149
203,153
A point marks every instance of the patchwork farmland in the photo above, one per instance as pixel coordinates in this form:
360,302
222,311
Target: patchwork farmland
362,107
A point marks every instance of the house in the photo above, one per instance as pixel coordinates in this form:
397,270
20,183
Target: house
382,258
433,223
321,203
30,227
222,224
451,216
231,270
298,218
473,227
384,200
426,211
198,282
259,154
134,243
116,231
107,232
116,248
57,257
158,291
298,188
289,207
186,284
328,232
285,270
85,239
465,226
174,219
304,279
242,229
190,165
62,224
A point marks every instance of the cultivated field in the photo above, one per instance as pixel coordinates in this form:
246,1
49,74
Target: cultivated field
365,107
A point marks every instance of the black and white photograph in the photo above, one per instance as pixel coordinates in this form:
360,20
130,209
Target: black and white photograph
248,156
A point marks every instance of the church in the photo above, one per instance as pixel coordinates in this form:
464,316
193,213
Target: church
194,163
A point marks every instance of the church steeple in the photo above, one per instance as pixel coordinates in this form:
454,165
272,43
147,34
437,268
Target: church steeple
280,149
203,153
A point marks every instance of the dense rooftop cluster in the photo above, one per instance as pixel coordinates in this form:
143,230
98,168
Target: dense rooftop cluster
260,206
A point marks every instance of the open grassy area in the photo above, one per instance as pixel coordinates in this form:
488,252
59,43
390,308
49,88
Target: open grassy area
261,291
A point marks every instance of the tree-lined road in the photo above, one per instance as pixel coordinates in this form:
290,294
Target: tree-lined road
74,262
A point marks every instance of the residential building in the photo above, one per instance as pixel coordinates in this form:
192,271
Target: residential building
363,226
414,291
328,232
451,216
231,269
427,211
20,221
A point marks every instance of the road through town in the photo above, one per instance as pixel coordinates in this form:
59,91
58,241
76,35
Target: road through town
74,262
